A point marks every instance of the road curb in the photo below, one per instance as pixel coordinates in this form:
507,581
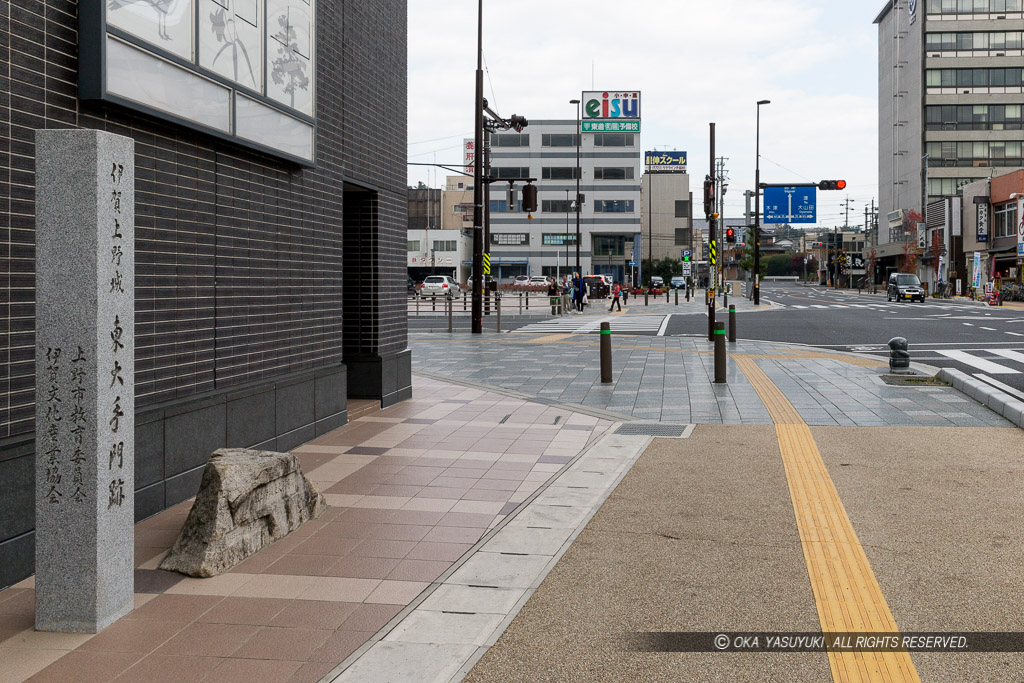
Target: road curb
995,400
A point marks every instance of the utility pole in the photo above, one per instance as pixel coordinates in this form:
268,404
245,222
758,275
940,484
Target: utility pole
478,189
709,211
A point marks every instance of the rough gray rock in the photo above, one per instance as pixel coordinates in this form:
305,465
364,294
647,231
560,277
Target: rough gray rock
248,499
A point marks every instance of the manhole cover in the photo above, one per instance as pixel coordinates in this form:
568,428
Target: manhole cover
652,429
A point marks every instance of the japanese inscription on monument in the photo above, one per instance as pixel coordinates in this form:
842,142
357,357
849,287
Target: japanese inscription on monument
85,405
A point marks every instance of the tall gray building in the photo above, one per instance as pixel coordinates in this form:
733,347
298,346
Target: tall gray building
546,243
949,106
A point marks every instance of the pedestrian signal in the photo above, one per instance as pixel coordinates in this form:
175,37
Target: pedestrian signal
730,234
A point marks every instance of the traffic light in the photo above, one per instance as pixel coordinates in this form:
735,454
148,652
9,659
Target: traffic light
832,185
709,197
730,235
530,198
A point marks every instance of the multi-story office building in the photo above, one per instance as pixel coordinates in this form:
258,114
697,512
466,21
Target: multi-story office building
545,244
665,216
951,89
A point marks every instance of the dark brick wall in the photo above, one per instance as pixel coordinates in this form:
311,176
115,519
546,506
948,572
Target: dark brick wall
240,256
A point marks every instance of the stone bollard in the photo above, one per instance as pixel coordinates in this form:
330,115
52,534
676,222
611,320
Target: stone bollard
732,323
606,353
719,353
899,354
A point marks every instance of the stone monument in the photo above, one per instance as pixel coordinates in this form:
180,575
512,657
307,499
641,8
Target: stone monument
85,379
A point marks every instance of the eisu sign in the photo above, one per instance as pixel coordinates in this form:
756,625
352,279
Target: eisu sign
607,104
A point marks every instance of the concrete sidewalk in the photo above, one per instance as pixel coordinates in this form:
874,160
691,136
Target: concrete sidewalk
519,520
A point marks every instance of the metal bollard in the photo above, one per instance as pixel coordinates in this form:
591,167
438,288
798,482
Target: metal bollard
719,353
527,301
646,293
433,303
606,353
899,354
464,301
667,294
417,305
449,304
497,309
677,297
520,303
554,306
687,294
732,324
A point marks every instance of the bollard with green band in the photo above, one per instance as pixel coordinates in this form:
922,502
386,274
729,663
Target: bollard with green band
719,353
732,323
606,353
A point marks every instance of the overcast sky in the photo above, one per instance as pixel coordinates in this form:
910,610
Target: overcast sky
694,62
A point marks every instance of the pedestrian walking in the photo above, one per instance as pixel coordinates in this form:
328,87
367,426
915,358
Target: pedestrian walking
616,292
577,292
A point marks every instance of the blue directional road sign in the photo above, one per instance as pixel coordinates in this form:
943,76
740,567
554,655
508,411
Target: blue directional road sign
790,205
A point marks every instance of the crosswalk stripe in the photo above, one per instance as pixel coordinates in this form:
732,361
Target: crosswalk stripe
1012,355
980,363
619,323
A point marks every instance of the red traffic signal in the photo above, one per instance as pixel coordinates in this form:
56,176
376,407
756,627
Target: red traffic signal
730,235
832,185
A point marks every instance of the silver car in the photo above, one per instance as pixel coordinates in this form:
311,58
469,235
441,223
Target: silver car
439,285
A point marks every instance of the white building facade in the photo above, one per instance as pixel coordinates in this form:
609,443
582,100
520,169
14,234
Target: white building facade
546,243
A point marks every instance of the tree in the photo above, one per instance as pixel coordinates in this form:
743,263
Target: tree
664,268
747,262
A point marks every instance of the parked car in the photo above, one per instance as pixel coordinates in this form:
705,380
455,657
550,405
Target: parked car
677,282
439,285
540,281
411,288
904,286
521,281
657,282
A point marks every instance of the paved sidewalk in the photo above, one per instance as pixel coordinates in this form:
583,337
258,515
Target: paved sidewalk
468,532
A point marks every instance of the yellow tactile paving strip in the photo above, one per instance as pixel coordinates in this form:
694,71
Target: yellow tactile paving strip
846,592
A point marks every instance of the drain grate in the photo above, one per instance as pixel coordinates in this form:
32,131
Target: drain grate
652,429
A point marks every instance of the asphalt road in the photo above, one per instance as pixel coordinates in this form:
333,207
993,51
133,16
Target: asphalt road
986,342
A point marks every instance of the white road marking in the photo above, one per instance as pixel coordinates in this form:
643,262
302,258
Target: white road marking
1012,355
664,326
990,329
980,363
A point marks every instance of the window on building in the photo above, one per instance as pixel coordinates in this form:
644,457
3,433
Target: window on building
501,206
946,187
973,6
505,172
974,78
682,208
609,245
559,172
510,140
558,239
445,245
613,139
1004,220
613,173
414,245
555,206
558,140
510,239
613,206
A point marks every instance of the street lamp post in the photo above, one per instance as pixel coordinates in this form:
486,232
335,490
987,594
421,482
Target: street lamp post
757,208
579,172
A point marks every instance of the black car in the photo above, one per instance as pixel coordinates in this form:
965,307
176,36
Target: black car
904,286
